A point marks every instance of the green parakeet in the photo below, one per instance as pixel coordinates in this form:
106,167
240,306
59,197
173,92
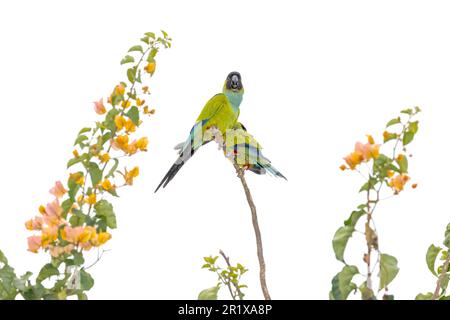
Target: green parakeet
220,112
241,148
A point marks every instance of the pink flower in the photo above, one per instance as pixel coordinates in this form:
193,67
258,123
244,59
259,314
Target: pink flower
58,190
52,215
56,251
99,107
34,243
72,234
34,224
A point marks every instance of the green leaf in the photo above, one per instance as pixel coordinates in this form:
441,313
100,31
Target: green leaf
164,34
66,205
136,48
152,54
127,59
150,34
78,258
77,219
408,136
84,130
369,185
431,256
354,217
133,114
76,160
408,111
209,294
424,296
82,296
413,127
145,40
104,209
109,119
340,240
131,74
95,173
47,271
80,139
447,236
113,169
342,284
8,290
86,280
73,189
388,270
366,293
402,164
388,297
393,121
3,258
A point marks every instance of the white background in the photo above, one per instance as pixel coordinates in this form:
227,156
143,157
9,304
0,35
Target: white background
318,76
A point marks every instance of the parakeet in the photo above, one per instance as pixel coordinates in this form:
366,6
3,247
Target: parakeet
220,112
244,150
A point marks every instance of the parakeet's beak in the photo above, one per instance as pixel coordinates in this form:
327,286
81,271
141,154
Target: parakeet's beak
235,83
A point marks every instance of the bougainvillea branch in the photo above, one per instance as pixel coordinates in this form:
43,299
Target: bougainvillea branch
80,215
382,171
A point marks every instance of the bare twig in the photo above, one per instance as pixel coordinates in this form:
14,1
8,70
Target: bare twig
259,246
441,278
227,260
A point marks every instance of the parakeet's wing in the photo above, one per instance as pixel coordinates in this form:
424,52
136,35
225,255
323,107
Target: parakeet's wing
247,152
209,116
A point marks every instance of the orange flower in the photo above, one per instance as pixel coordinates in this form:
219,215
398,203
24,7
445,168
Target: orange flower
130,175
99,107
142,143
58,190
130,126
120,122
139,102
42,209
342,167
34,243
75,153
34,224
91,199
119,89
106,185
146,111
49,234
104,157
125,104
131,148
145,89
150,67
77,177
102,238
414,185
398,182
354,159
121,142
390,173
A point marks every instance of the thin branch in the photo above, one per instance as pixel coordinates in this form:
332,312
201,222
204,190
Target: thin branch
259,246
441,278
227,260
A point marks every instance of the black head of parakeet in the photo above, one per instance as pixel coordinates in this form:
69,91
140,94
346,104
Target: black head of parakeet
234,81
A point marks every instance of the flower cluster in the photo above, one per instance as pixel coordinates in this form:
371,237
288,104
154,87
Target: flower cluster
362,153
80,216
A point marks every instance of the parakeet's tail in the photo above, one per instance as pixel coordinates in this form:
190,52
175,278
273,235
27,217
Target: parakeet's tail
275,172
185,153
171,173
